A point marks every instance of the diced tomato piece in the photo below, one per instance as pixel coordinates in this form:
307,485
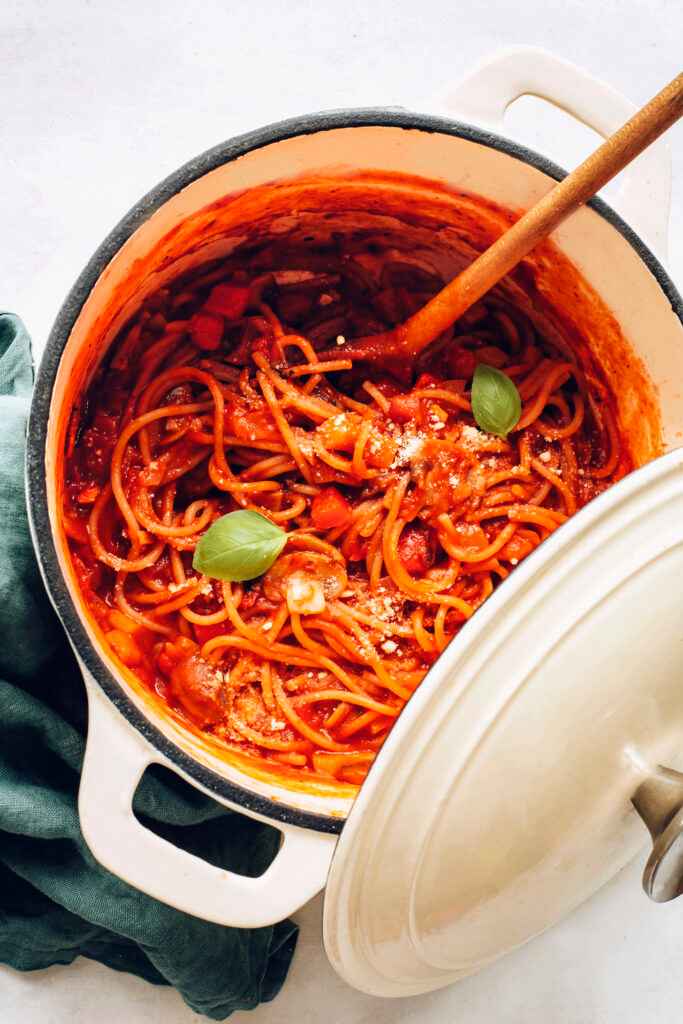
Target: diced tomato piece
206,331
253,424
380,450
330,509
426,380
462,363
340,432
205,633
169,653
228,300
198,687
124,646
404,408
417,549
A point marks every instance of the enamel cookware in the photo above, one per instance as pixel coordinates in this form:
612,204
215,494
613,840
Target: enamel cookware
510,788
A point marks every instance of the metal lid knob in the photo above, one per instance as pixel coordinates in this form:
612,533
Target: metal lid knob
659,802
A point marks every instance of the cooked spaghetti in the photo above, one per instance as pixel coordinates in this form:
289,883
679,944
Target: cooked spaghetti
402,516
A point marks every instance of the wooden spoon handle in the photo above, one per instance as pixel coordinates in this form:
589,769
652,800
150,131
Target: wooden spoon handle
579,186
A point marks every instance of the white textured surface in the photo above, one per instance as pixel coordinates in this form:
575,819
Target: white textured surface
99,101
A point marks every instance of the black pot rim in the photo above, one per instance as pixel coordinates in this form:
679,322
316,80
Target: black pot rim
37,426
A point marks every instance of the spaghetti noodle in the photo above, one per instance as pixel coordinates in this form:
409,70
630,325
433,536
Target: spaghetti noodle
401,515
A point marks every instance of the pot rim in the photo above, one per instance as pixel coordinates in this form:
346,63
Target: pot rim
36,484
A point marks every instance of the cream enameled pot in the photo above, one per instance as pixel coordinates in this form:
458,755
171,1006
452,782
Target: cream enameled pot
504,795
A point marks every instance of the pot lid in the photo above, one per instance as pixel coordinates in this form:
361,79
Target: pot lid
502,797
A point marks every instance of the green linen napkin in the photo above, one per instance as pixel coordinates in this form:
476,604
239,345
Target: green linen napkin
56,902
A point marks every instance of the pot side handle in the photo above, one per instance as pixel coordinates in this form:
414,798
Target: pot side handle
115,759
483,96
659,802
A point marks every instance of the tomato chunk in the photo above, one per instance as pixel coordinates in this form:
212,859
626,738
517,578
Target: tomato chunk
169,653
404,408
417,549
330,509
253,423
124,646
228,300
462,363
206,331
198,687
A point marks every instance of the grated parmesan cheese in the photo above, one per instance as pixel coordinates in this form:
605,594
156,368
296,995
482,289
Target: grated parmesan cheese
471,435
174,588
409,447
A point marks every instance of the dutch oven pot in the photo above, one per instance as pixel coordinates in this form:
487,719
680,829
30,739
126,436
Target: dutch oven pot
503,796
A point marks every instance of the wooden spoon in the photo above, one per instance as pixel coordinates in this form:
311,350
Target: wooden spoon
407,340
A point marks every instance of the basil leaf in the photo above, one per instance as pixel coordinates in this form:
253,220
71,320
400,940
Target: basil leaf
496,405
239,546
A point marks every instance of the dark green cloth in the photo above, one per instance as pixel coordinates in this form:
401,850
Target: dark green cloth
56,902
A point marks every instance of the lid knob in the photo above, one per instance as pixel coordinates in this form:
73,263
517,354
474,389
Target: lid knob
659,802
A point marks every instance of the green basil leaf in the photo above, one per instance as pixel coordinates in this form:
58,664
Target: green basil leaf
239,546
496,405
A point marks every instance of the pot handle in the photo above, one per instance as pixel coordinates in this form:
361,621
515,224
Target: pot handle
484,95
115,758
659,802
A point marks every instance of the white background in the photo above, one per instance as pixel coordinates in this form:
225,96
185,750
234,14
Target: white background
100,100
